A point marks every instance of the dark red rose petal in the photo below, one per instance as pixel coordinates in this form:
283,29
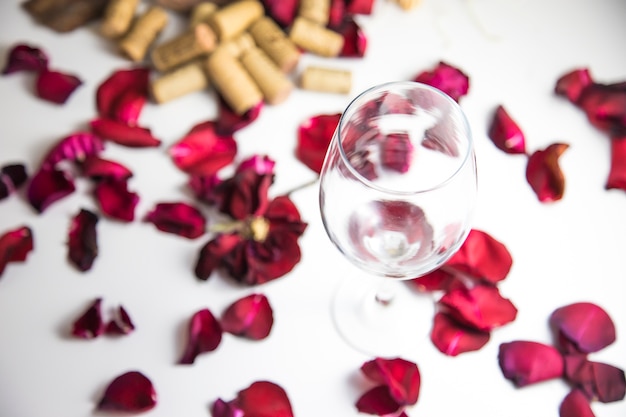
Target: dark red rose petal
12,176
603,382
617,173
121,324
396,152
337,13
221,408
264,399
481,307
544,174
115,200
24,57
212,253
178,218
250,317
203,187
89,325
131,392
575,404
359,6
245,193
48,186
400,376
605,107
526,362
228,122
378,401
56,86
314,136
82,240
573,83
205,335
99,168
76,148
446,78
15,245
453,338
584,324
113,93
354,39
505,133
282,11
123,134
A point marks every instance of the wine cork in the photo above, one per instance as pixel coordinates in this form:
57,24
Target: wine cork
196,42
237,46
143,32
201,12
118,16
275,43
272,82
326,80
407,4
184,80
233,82
317,11
316,39
231,20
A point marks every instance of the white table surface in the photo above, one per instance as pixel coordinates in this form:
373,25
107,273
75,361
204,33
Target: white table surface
572,250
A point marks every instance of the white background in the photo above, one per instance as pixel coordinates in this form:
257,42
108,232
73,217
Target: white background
569,251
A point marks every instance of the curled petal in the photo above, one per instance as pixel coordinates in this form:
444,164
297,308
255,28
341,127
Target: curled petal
120,324
89,325
15,245
228,122
99,168
112,95
76,148
24,57
586,325
446,78
250,317
245,194
212,253
396,152
544,174
575,404
264,399
178,218
354,39
617,172
314,136
221,408
82,242
48,186
400,376
572,84
481,307
605,107
124,134
505,133
603,382
12,177
453,338
131,392
378,401
205,335
526,362
115,200
56,86
203,187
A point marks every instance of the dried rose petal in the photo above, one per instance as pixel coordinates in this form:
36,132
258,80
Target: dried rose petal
250,317
24,57
453,338
378,401
15,245
575,404
123,134
597,380
115,200
359,6
261,164
264,399
245,194
202,152
617,173
354,39
446,78
396,152
438,137
212,254
99,168
56,86
544,174
282,11
129,106
121,324
337,13
584,324
112,96
178,218
400,376
573,83
314,136
228,122
131,392
12,176
221,408
89,325
481,307
205,335
48,186
82,240
605,107
75,147
203,187
505,133
525,362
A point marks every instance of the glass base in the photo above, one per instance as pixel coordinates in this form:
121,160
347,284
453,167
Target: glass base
377,325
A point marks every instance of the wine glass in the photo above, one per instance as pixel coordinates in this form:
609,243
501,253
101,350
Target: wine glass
397,192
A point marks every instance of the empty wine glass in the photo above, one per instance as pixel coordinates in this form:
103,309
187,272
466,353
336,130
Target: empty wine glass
397,192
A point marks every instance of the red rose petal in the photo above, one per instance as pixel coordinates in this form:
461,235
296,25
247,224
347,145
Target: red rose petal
115,200
359,6
89,325
221,408
396,152
76,148
24,57
282,11
437,280
131,392
354,39
121,324
56,86
113,94
99,168
481,307
526,362
400,376
573,83
250,317
264,399
446,78
244,194
202,152
205,335
544,174
378,401
575,404
314,136
505,133
123,134
82,240
129,106
212,254
337,12
617,173
261,164
48,186
453,338
15,245
596,380
228,122
605,107
12,176
178,218
584,324
203,187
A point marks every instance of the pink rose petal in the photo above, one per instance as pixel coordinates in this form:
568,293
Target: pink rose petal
250,317
12,177
212,254
446,78
205,335
131,392
617,174
56,86
121,324
400,376
526,362
23,57
123,134
575,404
544,174
89,325
15,245
505,133
115,200
584,324
453,338
378,401
178,218
75,148
48,186
314,136
82,240
99,168
264,399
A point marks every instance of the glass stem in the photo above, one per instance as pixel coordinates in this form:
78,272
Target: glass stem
385,293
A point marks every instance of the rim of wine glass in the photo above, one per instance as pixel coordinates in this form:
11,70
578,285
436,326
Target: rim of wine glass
455,107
